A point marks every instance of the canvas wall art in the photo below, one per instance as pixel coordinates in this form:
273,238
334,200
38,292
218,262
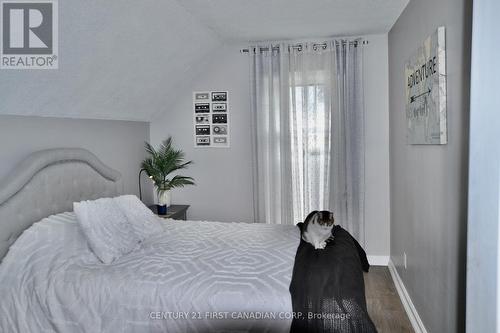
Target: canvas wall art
425,74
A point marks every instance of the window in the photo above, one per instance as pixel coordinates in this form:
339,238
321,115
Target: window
310,140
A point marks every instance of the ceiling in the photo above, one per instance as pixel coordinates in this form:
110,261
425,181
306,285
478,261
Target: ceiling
130,60
118,59
257,20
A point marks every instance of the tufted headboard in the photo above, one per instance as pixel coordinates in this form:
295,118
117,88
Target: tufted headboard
48,182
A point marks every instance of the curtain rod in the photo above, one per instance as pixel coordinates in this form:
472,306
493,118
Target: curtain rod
299,46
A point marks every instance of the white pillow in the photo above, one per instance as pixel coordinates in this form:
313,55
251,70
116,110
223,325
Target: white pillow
106,228
143,221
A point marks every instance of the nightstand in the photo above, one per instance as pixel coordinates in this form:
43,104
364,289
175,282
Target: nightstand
176,212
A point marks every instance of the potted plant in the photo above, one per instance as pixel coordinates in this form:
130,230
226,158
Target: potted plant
159,166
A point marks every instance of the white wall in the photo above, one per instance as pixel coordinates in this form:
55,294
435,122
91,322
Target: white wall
483,259
377,199
223,190
119,144
224,176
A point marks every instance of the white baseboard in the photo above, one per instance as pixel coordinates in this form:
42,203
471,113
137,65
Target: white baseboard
378,260
411,311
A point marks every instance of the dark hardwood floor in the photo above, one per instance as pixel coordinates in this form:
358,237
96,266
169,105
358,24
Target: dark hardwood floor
384,305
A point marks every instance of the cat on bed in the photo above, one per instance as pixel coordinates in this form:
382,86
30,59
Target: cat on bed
317,229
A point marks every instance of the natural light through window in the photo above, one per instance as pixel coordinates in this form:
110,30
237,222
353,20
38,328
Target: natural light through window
310,136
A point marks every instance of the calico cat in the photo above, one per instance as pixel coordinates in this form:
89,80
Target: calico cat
317,229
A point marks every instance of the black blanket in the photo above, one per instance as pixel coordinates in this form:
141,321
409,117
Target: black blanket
327,287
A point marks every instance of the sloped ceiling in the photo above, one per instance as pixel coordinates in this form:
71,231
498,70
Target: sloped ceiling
118,59
256,20
130,59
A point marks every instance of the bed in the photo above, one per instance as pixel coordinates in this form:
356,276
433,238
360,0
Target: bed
191,277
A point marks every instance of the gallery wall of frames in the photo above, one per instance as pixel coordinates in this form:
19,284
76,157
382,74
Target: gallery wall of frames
211,119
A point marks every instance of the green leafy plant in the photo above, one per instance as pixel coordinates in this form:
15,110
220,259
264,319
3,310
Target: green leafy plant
162,162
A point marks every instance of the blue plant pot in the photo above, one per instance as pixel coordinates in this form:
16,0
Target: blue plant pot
162,210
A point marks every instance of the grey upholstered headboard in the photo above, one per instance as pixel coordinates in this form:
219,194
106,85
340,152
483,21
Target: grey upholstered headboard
48,182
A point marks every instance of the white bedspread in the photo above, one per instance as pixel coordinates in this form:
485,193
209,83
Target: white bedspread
51,281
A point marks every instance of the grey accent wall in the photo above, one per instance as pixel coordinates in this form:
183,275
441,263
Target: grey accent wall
119,144
429,183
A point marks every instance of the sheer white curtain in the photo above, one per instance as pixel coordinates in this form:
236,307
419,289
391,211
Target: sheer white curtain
308,127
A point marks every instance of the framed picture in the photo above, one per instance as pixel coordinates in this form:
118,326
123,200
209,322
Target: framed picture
219,96
425,74
211,119
219,107
202,96
201,107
